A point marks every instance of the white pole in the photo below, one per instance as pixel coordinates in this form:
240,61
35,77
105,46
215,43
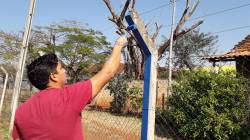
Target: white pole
4,89
170,58
152,96
13,95
21,63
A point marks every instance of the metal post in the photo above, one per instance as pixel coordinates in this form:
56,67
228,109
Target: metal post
150,74
21,63
170,57
4,89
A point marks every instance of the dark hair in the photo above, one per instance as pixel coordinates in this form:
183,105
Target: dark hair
40,69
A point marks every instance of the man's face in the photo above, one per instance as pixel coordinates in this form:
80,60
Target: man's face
61,74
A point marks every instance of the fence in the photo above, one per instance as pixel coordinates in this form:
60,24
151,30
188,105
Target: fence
112,116
102,122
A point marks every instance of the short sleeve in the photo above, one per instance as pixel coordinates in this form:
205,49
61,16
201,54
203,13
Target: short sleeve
80,94
15,131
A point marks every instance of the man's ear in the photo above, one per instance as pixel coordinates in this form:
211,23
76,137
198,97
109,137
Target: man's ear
53,77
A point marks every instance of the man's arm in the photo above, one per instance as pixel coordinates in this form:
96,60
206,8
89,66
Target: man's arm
110,67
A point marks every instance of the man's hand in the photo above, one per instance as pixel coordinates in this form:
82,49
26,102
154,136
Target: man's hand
122,41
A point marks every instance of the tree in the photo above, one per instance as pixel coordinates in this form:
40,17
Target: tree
10,44
191,47
135,62
79,47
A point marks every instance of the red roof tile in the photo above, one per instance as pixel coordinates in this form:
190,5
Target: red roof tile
240,50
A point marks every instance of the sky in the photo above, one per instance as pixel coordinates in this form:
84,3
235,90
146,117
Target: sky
220,16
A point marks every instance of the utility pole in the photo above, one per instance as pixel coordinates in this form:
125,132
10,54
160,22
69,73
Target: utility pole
21,63
4,89
170,57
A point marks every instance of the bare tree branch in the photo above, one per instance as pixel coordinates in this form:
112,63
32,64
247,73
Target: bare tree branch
112,11
133,52
182,21
165,45
118,20
185,16
158,28
194,7
190,29
111,19
133,4
125,8
187,4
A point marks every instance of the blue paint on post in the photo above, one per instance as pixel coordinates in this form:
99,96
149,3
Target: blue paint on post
145,106
147,70
132,26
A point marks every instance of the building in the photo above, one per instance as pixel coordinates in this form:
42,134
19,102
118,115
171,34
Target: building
240,54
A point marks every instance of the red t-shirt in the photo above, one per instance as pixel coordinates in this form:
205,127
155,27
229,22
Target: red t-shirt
53,114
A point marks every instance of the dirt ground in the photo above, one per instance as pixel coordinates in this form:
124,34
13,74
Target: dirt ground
100,125
105,126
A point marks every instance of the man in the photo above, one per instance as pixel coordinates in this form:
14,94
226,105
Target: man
54,113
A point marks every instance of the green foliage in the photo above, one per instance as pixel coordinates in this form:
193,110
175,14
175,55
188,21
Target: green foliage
209,106
242,134
188,49
79,47
83,50
135,96
124,95
8,56
118,87
9,47
163,74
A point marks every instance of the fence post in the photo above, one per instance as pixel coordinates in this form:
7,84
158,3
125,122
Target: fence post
4,90
21,63
150,74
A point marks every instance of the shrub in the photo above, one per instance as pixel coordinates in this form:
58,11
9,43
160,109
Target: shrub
135,96
118,89
209,106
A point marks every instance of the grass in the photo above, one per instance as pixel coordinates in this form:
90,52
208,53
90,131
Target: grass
4,132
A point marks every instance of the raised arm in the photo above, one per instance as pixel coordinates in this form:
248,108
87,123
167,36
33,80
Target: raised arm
110,67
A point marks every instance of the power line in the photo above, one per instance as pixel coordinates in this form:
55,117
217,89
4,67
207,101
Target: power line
231,29
143,13
206,15
216,13
154,9
222,11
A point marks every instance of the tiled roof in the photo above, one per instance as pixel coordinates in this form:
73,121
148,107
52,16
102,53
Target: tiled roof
240,50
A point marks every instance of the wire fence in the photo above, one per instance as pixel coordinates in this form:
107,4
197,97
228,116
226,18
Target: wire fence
117,115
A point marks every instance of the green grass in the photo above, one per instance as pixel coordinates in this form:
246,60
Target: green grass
4,132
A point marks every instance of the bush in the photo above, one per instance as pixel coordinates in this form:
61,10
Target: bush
209,106
135,96
118,89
